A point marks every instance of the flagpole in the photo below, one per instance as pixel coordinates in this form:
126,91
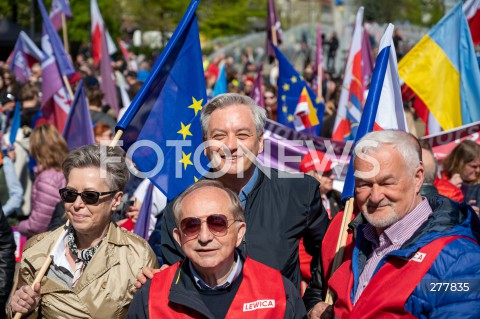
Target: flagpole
117,137
46,264
274,35
342,240
65,34
67,85
319,80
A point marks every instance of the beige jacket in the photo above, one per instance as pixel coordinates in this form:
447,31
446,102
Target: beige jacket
104,290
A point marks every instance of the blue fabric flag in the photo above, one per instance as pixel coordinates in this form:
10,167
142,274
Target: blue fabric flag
369,113
143,221
164,117
78,130
221,84
63,62
290,85
15,123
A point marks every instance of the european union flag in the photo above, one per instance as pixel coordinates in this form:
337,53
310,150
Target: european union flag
164,117
290,86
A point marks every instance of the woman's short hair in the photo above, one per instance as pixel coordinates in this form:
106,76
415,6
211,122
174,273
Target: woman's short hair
48,147
235,205
98,156
228,99
462,154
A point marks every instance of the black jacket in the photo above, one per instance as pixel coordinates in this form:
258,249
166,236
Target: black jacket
185,293
336,203
279,211
7,261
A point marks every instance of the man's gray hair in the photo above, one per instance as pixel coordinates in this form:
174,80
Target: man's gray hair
228,99
235,204
90,156
406,144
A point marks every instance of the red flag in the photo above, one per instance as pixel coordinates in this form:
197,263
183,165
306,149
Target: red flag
471,8
98,29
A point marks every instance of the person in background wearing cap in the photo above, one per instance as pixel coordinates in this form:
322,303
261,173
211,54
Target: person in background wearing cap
317,165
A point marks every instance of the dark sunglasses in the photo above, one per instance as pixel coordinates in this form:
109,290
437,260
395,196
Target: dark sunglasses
88,197
217,224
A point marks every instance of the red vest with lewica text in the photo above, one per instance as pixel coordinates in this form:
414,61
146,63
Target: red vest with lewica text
260,295
388,290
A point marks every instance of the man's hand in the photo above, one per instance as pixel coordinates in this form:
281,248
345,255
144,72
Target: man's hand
133,213
147,273
26,299
321,310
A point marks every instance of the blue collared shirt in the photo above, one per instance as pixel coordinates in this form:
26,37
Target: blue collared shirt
236,271
248,188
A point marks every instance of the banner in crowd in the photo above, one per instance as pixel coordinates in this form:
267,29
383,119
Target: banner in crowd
24,55
166,113
443,71
290,87
349,110
59,8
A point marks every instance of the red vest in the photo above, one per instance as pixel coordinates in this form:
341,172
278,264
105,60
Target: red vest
387,292
258,296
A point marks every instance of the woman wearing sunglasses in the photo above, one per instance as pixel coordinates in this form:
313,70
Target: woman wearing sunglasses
95,263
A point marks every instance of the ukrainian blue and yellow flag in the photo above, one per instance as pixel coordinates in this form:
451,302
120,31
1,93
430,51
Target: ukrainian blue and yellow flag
442,70
162,125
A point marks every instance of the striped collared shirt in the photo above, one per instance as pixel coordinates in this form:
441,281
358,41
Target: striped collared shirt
391,239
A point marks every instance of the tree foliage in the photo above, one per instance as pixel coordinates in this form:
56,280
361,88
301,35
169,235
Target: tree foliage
419,12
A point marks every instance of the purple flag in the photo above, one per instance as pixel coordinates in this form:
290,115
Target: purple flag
272,22
63,61
143,221
78,129
107,84
55,98
367,59
257,92
59,7
24,55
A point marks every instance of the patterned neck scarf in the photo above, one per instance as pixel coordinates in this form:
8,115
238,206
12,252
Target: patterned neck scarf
83,255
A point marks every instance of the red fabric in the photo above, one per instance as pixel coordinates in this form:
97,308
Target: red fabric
128,224
212,71
381,298
315,163
96,45
447,189
474,24
260,284
305,260
329,243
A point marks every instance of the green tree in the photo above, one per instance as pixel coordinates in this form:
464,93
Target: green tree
419,12
229,17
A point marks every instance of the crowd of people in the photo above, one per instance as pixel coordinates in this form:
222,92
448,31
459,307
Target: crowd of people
245,244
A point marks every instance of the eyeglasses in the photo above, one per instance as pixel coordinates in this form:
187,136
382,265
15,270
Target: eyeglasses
88,197
217,224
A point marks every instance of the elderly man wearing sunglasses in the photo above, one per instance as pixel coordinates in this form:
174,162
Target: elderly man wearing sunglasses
215,280
280,208
94,264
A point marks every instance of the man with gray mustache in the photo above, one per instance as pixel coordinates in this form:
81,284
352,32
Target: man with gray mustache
413,256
